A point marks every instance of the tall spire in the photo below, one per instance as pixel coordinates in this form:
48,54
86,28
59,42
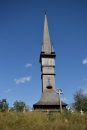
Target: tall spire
46,46
49,99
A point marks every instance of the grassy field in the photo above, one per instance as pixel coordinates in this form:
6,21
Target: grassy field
42,121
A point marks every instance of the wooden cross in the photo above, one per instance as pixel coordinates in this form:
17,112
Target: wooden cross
59,91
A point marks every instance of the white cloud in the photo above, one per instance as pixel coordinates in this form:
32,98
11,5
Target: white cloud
28,65
84,61
22,80
7,91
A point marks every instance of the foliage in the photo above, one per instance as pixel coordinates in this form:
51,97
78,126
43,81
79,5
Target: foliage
80,101
19,106
42,121
3,105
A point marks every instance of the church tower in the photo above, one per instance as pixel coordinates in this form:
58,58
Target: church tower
49,98
47,60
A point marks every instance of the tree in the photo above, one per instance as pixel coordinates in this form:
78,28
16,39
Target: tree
80,101
3,105
19,106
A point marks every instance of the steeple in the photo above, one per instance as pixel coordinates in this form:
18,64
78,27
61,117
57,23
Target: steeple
46,44
49,98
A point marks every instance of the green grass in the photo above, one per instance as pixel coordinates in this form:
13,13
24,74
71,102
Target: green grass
42,121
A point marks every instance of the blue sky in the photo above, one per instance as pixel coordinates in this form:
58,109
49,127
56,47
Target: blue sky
21,31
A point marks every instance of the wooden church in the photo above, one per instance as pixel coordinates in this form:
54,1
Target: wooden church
49,99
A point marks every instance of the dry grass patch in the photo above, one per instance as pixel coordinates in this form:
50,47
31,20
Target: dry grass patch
42,121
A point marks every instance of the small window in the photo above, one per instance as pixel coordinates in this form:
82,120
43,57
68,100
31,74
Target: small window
49,87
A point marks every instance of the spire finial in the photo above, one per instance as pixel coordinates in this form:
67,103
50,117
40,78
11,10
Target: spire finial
45,12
